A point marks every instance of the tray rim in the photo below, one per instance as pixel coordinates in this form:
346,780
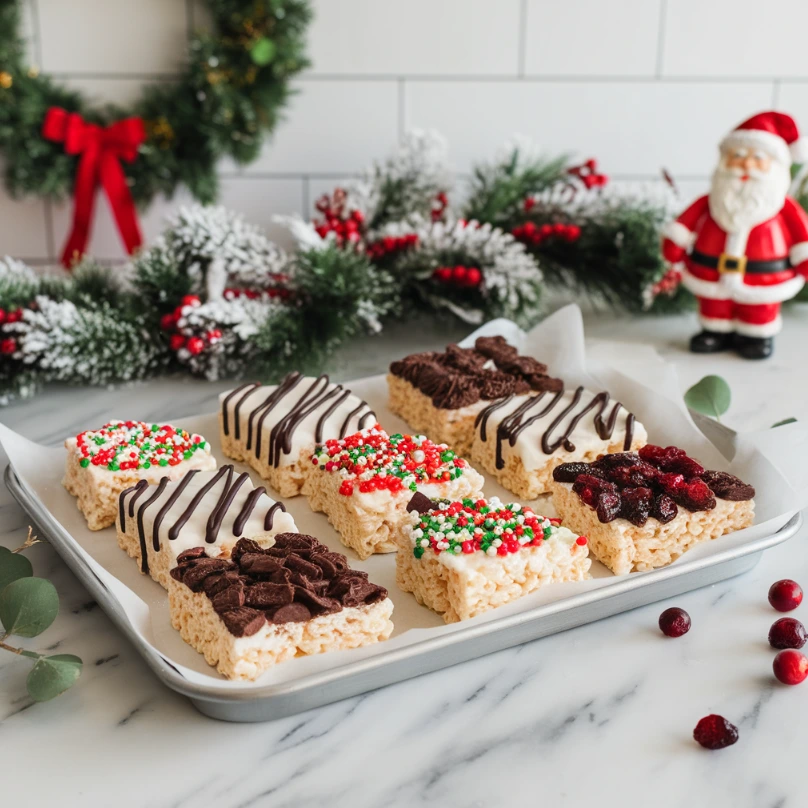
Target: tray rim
66,547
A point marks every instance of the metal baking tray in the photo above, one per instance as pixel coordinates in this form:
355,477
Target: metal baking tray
263,703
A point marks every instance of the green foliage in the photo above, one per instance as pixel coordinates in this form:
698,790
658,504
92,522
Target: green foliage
231,93
709,396
12,567
28,606
784,422
498,193
52,675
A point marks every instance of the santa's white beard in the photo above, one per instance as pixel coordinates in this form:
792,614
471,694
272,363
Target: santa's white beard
739,205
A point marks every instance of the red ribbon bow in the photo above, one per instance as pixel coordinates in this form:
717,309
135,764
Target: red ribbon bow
101,151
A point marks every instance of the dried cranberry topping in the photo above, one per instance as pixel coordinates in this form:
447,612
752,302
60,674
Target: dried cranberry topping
567,472
608,506
654,482
674,622
787,632
715,732
790,667
785,595
728,486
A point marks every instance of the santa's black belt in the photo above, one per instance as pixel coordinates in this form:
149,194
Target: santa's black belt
729,263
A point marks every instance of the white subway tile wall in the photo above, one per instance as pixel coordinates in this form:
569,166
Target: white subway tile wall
641,85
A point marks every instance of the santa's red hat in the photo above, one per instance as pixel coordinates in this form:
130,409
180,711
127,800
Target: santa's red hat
774,132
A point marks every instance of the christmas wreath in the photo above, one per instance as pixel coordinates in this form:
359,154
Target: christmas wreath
213,296
229,95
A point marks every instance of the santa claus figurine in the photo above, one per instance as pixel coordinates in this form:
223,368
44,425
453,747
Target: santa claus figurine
743,248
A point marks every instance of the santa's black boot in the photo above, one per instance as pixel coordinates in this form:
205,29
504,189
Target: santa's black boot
710,342
754,347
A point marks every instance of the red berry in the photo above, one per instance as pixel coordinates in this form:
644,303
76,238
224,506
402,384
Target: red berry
2,316
14,316
473,277
785,595
167,322
715,732
790,667
8,346
674,622
459,275
787,632
195,345
176,342
191,300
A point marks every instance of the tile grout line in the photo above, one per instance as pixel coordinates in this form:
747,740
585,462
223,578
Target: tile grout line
663,14
402,109
522,34
34,5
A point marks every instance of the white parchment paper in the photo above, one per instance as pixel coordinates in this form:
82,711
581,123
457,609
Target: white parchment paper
633,374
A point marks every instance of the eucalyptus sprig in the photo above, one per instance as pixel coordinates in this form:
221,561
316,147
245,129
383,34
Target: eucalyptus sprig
28,605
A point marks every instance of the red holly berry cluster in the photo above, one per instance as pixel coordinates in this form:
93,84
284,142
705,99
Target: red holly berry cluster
464,277
533,235
587,173
193,343
439,205
9,345
346,225
391,244
668,283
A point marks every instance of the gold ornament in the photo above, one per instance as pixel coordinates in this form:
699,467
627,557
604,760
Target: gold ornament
161,132
33,72
6,79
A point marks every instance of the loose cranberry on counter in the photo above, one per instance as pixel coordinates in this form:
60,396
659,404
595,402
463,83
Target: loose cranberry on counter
790,667
787,632
674,622
785,595
715,732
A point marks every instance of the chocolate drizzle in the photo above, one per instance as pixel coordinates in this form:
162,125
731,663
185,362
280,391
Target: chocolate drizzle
460,377
223,505
513,424
248,387
319,395
138,488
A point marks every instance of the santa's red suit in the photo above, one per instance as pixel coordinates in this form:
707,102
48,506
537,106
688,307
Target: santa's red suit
740,278
742,272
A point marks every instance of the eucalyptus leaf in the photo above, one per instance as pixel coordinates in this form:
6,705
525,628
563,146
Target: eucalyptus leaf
52,675
12,567
784,422
263,51
710,396
28,606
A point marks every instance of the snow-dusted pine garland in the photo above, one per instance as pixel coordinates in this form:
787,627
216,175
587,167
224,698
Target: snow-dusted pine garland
215,297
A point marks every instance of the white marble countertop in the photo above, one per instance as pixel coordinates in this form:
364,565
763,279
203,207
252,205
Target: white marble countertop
600,715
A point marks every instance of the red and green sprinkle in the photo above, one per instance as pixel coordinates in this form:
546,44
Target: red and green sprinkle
478,526
372,460
123,445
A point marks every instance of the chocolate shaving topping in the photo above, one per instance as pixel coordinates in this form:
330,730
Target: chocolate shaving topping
420,502
243,621
460,377
297,579
194,552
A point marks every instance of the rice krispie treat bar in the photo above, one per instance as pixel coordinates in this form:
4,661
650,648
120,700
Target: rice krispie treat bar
642,511
363,483
440,394
464,557
275,428
157,523
102,462
264,606
521,439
